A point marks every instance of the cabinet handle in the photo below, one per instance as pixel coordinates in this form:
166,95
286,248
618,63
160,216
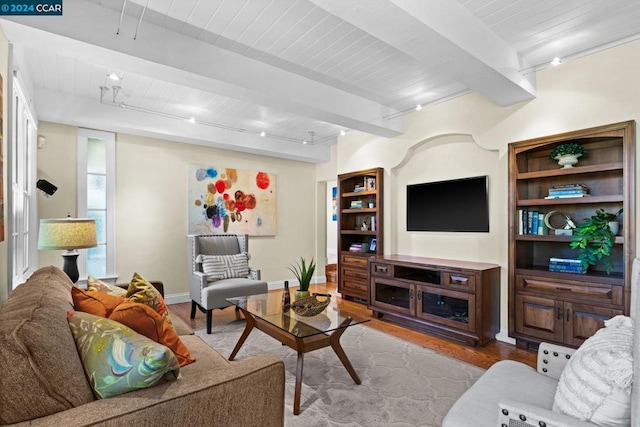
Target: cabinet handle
568,315
559,313
563,289
381,269
411,294
419,295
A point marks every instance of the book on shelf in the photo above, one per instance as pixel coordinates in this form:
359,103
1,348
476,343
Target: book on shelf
566,265
569,187
373,223
358,189
531,222
566,196
356,204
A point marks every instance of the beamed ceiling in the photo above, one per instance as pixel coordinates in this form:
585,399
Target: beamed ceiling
220,72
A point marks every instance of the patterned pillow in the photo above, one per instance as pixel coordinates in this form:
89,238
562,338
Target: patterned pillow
95,302
218,267
144,320
596,382
116,359
140,290
94,284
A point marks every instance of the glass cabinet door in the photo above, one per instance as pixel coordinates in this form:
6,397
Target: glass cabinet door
397,296
446,307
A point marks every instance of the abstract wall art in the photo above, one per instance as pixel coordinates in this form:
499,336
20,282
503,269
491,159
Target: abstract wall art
225,200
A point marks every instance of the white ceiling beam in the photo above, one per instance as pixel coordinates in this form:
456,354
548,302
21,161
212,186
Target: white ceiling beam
443,29
58,107
176,58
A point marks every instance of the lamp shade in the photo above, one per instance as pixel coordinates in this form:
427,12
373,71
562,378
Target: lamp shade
67,233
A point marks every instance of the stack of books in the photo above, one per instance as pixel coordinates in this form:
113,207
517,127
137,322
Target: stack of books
563,191
359,247
356,204
566,265
359,188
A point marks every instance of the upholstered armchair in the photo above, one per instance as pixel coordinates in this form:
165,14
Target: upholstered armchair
219,269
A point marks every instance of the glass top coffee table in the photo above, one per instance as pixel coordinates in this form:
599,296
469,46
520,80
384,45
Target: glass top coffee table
303,334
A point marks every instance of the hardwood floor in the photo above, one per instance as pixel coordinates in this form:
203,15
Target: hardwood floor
483,357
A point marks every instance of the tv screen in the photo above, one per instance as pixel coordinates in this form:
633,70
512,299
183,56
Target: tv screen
453,205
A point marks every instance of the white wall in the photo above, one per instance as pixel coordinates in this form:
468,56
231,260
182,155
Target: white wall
595,90
151,204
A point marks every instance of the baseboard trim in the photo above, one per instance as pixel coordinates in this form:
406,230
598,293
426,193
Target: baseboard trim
177,298
503,336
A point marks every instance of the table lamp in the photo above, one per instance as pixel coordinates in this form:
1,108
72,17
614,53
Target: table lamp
70,234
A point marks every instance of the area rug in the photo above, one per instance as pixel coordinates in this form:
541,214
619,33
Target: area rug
403,384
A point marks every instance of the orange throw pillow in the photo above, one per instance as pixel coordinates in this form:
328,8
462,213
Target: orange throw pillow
144,320
94,302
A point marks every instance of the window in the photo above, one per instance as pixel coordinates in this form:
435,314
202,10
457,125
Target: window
22,222
96,199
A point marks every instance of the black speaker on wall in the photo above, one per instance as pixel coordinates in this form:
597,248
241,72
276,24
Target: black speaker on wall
46,186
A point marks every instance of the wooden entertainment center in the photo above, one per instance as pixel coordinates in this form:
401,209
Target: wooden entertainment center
456,299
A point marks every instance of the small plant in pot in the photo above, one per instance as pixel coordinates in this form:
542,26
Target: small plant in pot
567,154
304,273
594,239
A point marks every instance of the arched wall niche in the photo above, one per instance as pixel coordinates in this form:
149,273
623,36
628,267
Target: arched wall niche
438,158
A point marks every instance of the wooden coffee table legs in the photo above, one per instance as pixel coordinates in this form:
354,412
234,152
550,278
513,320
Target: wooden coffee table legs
301,346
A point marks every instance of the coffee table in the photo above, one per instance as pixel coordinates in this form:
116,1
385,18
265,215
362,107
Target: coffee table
302,334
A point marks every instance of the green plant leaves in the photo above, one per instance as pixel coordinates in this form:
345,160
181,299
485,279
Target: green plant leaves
594,239
303,272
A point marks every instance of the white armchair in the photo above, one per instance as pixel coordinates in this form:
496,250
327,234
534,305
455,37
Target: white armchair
208,293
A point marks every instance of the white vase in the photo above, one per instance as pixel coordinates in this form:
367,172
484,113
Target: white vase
568,160
615,227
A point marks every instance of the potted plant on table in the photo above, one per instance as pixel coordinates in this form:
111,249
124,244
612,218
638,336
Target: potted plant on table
567,154
594,239
304,273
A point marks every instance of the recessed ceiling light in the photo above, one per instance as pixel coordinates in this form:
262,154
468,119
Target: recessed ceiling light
342,133
305,142
418,107
556,61
262,133
123,105
192,120
113,76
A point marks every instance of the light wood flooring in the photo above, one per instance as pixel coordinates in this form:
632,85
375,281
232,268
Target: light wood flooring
483,357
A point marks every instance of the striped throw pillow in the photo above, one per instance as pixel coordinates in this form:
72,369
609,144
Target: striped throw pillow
218,267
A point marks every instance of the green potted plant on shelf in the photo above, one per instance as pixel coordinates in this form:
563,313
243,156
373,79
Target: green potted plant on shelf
567,154
595,237
304,273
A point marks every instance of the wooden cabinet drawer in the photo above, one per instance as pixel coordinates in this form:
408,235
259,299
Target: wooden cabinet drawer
354,261
569,290
461,281
383,270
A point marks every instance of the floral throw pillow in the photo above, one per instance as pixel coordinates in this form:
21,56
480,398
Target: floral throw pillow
116,359
140,290
94,284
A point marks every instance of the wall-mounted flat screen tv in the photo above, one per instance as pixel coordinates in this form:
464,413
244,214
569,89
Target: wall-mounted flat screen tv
454,205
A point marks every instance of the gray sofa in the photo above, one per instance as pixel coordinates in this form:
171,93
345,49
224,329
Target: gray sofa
43,381
516,395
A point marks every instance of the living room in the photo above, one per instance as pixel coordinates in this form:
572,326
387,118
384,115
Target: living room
465,136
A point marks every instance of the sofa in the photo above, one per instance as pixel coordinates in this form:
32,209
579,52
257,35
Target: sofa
43,381
512,394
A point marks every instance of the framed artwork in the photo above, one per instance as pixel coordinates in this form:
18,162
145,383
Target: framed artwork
372,245
226,200
334,206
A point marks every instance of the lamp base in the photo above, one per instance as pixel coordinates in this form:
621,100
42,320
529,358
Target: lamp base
71,264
